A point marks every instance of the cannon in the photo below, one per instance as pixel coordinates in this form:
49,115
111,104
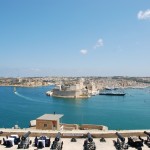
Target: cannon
120,137
57,143
135,142
89,144
73,140
147,141
11,140
16,138
120,143
25,141
42,141
147,133
8,143
102,139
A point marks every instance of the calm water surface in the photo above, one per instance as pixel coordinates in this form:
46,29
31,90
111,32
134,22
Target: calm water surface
129,112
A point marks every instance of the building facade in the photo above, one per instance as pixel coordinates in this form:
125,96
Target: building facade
49,122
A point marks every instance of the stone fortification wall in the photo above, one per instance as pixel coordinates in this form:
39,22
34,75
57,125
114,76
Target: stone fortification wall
70,126
83,133
69,94
90,126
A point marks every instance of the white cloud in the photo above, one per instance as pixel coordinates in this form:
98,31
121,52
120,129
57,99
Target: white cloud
144,15
99,43
83,51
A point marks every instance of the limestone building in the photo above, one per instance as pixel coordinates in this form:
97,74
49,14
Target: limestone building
49,122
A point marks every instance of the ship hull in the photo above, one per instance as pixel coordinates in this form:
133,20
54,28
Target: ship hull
113,94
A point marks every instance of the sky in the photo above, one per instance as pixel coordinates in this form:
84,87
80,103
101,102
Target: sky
74,38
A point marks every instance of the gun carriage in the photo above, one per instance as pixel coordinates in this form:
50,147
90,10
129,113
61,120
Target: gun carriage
135,142
57,143
41,142
25,141
120,143
11,140
89,144
147,141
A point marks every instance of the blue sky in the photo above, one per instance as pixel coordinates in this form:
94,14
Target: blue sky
74,38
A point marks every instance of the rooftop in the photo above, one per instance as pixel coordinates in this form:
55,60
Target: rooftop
50,117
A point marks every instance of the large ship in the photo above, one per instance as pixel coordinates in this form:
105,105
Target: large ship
112,94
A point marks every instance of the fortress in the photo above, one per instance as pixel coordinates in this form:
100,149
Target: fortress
80,89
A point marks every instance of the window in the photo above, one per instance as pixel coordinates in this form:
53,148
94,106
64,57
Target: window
45,125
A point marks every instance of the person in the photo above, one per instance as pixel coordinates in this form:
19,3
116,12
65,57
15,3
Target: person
36,141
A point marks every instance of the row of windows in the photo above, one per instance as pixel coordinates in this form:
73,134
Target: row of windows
45,125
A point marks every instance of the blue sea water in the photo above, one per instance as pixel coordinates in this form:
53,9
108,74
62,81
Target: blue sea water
129,112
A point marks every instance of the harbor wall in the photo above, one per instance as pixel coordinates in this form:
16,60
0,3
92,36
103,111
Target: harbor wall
69,126
64,93
67,94
92,127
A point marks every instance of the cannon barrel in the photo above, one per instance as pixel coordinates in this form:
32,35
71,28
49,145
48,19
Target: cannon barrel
147,133
58,136
89,135
26,135
120,137
90,139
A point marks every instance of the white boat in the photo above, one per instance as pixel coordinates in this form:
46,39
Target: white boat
95,93
111,88
15,90
49,93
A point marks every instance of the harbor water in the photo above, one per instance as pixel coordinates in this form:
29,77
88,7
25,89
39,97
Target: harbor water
117,112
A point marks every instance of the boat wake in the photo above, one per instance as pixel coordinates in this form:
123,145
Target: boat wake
28,98
24,97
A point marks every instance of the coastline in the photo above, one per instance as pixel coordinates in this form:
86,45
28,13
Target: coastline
124,87
24,86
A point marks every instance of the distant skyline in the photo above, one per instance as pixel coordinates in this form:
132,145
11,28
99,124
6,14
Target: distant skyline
74,38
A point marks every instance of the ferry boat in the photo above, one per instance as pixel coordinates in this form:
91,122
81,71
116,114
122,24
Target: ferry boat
112,94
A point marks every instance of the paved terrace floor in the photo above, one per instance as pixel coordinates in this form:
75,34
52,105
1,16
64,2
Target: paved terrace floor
108,145
68,145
